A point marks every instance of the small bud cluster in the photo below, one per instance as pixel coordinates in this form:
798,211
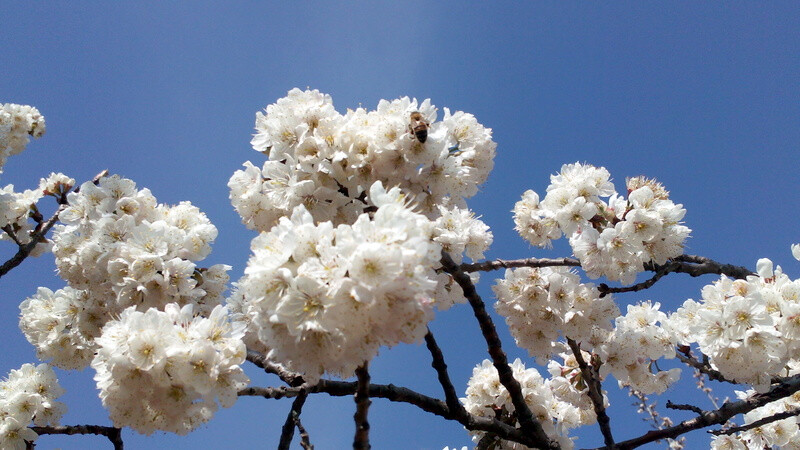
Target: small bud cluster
119,248
165,370
636,342
487,397
28,394
542,305
327,161
324,299
613,239
17,124
749,329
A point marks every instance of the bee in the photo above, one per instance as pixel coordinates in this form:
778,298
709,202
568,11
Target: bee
418,127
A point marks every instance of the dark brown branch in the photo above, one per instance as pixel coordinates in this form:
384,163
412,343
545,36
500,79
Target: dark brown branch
690,264
113,434
683,407
773,418
403,395
488,266
660,271
528,423
361,438
287,432
699,265
717,417
450,395
595,393
270,392
37,235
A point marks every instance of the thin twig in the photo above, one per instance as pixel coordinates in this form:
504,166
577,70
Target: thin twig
305,441
595,393
361,438
763,421
287,432
113,434
527,421
451,398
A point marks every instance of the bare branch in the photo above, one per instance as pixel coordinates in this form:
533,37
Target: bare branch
691,264
113,434
595,393
270,392
773,418
499,359
684,407
361,438
287,432
451,398
699,265
488,266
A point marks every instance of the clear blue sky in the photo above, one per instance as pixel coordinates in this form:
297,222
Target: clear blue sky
704,97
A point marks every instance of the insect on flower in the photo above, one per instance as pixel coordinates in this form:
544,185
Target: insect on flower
418,126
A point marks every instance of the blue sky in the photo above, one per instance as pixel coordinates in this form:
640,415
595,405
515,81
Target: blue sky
703,97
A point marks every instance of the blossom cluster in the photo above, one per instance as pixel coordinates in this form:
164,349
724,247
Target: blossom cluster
542,305
749,329
166,370
640,337
28,394
613,239
17,124
327,161
324,299
118,248
548,399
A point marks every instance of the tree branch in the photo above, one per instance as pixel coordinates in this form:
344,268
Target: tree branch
361,438
403,395
260,360
287,432
595,393
528,423
488,266
451,398
113,434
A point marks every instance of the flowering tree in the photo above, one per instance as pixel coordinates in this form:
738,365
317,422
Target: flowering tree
364,233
